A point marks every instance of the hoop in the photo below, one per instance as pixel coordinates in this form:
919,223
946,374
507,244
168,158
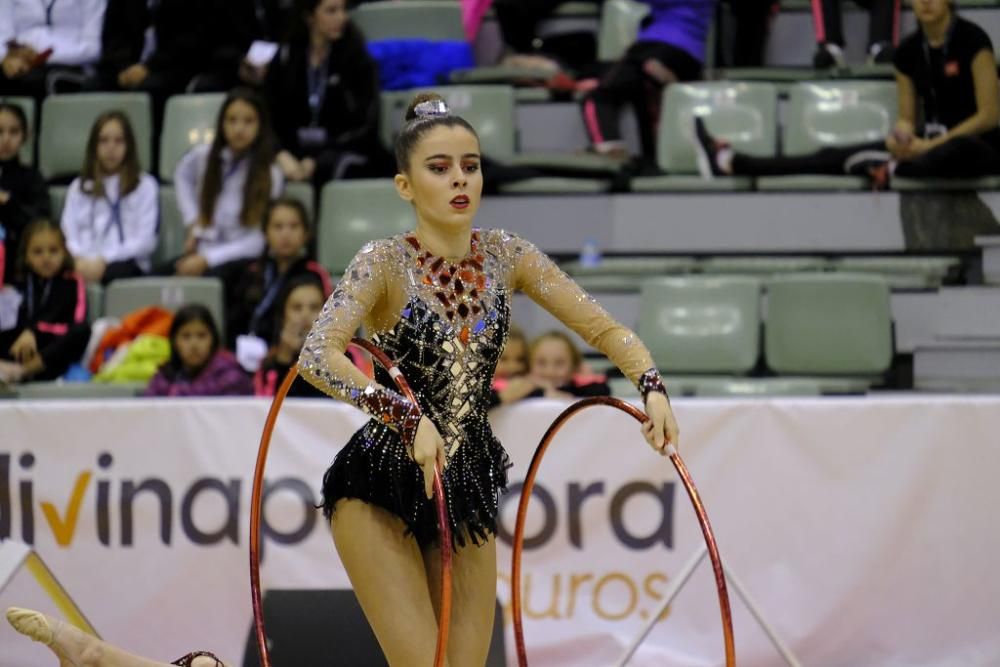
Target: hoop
444,621
699,508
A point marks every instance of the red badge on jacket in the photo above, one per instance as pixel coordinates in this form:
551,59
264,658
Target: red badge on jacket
951,68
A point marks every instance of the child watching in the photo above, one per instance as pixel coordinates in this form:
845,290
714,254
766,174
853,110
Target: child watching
223,189
253,295
111,209
555,365
23,194
52,330
197,365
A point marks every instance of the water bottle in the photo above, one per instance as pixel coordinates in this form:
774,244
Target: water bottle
590,254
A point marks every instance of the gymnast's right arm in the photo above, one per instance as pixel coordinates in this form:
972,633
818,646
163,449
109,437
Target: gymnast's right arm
322,361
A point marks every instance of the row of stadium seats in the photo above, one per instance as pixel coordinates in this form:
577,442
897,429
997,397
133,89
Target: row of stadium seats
817,115
703,331
356,211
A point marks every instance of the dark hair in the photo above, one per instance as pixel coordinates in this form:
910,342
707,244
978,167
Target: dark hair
257,190
299,28
193,312
38,226
417,127
18,113
574,352
308,279
93,180
294,204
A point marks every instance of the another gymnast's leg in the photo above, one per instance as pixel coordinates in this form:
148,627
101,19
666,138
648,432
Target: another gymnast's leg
386,569
75,648
473,599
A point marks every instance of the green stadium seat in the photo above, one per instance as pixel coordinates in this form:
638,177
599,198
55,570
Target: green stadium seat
620,22
57,200
95,302
902,272
623,388
835,324
701,324
833,113
743,114
130,294
354,212
762,266
188,120
414,19
172,231
27,104
303,192
66,123
813,183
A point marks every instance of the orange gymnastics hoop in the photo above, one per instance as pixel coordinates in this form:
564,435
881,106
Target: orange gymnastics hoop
444,621
699,508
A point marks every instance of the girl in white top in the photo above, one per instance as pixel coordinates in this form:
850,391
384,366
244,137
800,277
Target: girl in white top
110,216
223,190
70,28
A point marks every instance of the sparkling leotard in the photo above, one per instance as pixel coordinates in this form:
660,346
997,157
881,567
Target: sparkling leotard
444,322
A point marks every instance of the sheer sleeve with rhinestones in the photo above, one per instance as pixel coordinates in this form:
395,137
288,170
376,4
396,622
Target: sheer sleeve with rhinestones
537,275
322,361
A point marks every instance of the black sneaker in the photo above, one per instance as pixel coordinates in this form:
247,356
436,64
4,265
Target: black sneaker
829,56
706,148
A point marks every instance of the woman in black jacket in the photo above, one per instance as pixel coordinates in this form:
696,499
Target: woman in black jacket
324,95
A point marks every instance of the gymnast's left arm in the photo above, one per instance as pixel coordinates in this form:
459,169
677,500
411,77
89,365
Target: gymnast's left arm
537,275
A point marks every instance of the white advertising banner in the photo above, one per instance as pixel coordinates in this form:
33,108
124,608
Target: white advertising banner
863,529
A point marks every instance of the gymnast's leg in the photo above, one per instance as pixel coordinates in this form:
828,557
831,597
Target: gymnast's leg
474,596
76,648
386,569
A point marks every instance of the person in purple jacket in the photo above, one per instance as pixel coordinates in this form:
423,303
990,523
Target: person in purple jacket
670,48
197,365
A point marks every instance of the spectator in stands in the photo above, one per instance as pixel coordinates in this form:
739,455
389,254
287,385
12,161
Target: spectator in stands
252,297
519,21
111,209
670,48
301,300
39,37
169,47
52,329
23,194
510,379
555,364
883,31
324,94
224,189
752,24
946,68
198,365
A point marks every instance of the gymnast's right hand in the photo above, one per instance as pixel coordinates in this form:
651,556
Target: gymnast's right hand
428,448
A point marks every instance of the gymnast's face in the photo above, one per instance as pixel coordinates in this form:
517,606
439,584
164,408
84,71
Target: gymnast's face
444,181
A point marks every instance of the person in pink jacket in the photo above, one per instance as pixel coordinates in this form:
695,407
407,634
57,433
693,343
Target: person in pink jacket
197,365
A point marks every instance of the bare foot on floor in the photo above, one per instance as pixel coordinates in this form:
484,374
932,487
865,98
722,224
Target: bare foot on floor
73,647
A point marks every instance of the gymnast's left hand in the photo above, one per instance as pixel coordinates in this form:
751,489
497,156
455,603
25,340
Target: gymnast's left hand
661,427
428,449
